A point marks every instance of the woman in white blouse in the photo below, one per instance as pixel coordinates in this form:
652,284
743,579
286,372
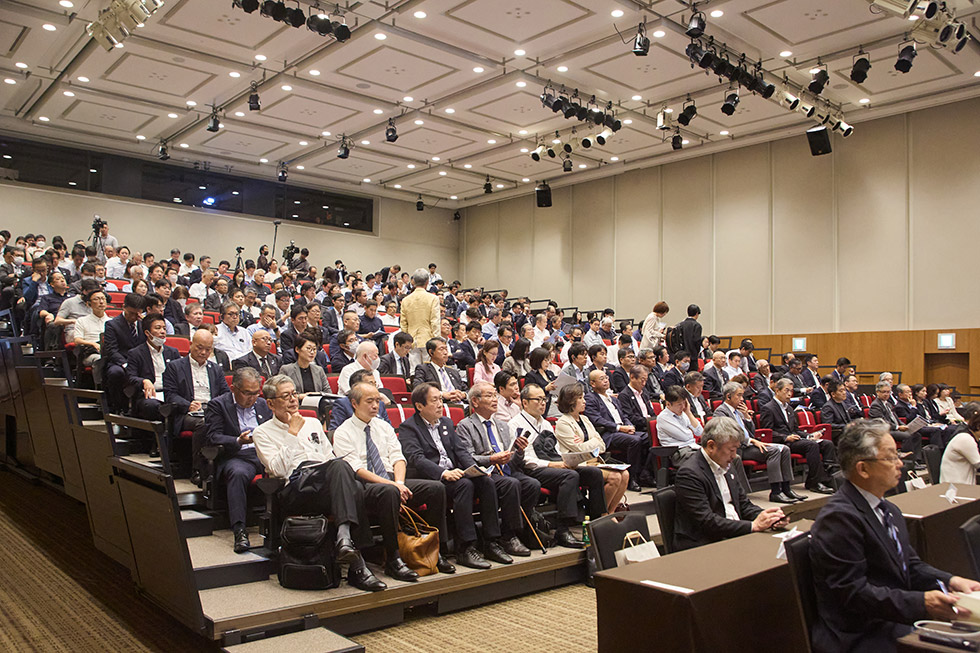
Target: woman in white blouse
947,406
961,460
575,434
654,328
88,334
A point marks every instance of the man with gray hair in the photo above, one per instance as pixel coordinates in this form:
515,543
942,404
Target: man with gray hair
881,408
890,378
711,505
420,316
870,583
365,358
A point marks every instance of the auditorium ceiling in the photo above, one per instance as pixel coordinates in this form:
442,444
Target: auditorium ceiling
465,103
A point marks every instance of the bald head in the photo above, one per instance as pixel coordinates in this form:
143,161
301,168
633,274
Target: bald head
366,354
201,345
261,343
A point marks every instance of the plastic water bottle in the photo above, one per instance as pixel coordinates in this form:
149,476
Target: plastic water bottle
589,554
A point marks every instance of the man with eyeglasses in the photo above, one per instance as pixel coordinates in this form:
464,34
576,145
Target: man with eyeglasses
295,448
870,583
232,339
230,419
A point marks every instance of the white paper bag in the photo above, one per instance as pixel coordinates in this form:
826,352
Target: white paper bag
915,482
636,549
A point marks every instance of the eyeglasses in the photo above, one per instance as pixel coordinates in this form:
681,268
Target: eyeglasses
536,399
251,394
891,460
288,395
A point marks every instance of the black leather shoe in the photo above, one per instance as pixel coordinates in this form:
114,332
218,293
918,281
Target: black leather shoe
472,558
779,497
196,478
514,547
360,576
397,569
820,488
633,486
345,551
493,551
154,452
798,497
241,541
564,538
444,566
647,481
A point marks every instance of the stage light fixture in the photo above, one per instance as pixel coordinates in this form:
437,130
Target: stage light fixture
602,137
542,195
952,29
789,100
845,129
588,141
961,44
641,44
274,9
758,84
320,24
688,113
487,186
677,142
537,152
117,21
860,68
283,172
927,10
248,6
696,26
722,67
295,17
253,98
731,101
806,109
340,30
818,80
612,122
699,55
344,150
548,97
163,153
391,133
566,165
419,204
905,56
571,108
214,123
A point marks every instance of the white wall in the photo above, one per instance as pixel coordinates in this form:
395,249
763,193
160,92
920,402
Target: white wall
404,235
766,239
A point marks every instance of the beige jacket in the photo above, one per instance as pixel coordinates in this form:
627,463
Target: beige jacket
420,316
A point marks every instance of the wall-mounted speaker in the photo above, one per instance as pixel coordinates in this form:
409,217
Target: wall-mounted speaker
819,139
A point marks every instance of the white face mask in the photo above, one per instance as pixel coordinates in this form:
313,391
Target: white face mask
18,260
157,342
376,363
39,244
173,279
182,302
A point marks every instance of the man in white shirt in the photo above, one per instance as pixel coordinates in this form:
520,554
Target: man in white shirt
592,336
578,358
295,448
232,339
509,396
365,358
202,288
733,367
677,427
370,447
115,267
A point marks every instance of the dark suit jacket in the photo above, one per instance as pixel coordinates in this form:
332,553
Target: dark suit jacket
332,322
808,378
724,410
214,301
818,398
701,401
139,364
905,411
760,382
599,415
338,360
629,409
421,452
118,339
853,405
174,312
883,411
700,517
799,383
690,330
619,379
764,396
673,376
771,417
341,410
178,387
864,598
426,373
387,367
221,418
714,381
464,355
287,337
251,360
834,414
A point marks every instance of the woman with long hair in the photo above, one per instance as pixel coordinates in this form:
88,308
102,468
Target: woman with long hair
486,366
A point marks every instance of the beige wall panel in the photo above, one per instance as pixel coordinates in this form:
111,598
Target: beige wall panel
742,273
803,238
871,226
944,204
593,225
516,242
637,243
687,234
551,267
481,245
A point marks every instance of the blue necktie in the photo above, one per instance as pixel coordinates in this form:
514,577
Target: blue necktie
892,530
375,464
495,446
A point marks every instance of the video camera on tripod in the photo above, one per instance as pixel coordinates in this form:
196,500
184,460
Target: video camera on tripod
97,224
290,251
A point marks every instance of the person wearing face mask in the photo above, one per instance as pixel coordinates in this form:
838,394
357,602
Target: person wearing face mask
306,376
675,375
10,272
343,354
365,358
145,366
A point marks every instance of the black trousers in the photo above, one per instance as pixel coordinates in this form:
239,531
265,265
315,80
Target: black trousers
461,494
913,442
383,502
528,491
636,446
147,408
236,473
814,451
199,434
114,379
564,484
331,489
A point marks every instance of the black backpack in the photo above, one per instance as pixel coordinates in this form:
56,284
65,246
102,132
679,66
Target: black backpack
306,556
674,340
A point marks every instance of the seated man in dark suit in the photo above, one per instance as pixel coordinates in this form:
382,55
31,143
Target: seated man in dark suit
881,408
711,505
395,362
145,365
599,355
188,384
818,397
779,416
765,394
834,412
605,414
261,359
653,390
619,378
869,581
342,408
938,434
693,385
435,451
438,373
795,374
715,377
469,349
675,375
634,406
852,403
122,333
230,418
371,327
342,353
761,379
297,324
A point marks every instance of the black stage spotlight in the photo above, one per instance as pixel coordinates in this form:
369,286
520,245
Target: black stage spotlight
677,142
699,55
722,67
163,153
391,134
340,30
571,109
762,87
274,10
319,23
253,98
542,193
612,122
688,113
559,103
731,101
566,165
248,6
295,17
283,172
487,186
818,81
819,140
344,150
419,204
695,26
214,124
548,98
859,71
641,44
905,57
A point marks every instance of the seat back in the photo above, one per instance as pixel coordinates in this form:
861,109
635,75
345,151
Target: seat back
798,556
934,460
971,537
394,383
399,413
334,381
606,535
666,502
455,413
180,343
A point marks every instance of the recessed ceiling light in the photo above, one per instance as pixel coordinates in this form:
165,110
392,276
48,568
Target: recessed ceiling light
685,142
346,224
378,112
491,141
525,180
366,180
324,133
453,197
443,173
21,65
72,183
408,98
522,132
325,206
171,115
435,158
314,72
582,165
191,103
411,166
977,74
263,160
500,185
717,13
184,145
68,94
785,54
303,143
286,87
913,17
235,74
67,4
420,122
234,192
419,14
9,80
519,52
295,216
82,78
49,27
467,165
43,118
562,69
260,57
365,142
864,100
240,114
301,167
659,33
524,150
814,71
723,132
381,36
398,185
296,201
521,84
177,200
140,137
636,98
478,69
7,156
617,13
628,121
614,158
450,110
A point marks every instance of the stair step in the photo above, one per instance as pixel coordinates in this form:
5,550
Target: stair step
196,524
217,565
314,640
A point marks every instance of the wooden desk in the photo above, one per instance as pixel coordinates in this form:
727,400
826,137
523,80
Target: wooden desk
912,644
934,524
733,595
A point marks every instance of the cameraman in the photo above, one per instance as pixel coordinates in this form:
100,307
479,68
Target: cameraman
300,265
104,238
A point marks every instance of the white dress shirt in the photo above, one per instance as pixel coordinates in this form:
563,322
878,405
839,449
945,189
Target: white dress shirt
530,428
675,430
159,365
350,443
611,407
281,452
343,383
640,400
236,344
202,386
726,494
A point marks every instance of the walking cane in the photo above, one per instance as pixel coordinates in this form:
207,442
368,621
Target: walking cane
534,531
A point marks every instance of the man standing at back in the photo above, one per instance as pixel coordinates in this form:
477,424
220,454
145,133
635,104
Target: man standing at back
420,316
690,329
